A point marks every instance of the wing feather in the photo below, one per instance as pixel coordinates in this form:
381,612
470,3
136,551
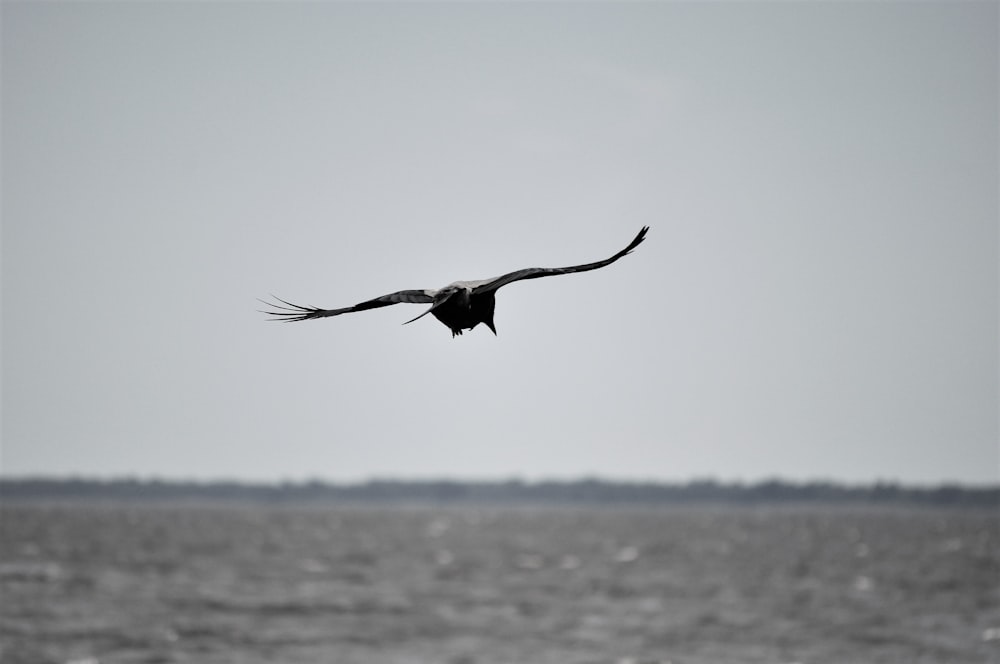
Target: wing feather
288,312
537,272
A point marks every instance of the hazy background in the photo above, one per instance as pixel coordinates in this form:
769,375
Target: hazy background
817,297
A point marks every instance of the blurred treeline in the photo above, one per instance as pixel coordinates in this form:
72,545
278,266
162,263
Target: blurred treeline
507,492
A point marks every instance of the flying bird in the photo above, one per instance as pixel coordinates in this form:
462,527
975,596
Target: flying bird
460,306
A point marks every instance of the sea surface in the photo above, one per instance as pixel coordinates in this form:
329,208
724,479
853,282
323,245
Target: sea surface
209,584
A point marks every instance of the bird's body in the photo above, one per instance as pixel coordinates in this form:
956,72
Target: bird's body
460,305
459,308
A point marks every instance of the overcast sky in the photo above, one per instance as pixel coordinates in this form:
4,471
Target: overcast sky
817,297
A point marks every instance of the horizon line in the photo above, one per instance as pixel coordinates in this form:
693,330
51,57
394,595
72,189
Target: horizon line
495,480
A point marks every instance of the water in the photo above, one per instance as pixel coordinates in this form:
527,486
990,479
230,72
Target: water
116,584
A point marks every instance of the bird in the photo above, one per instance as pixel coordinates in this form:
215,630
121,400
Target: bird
460,306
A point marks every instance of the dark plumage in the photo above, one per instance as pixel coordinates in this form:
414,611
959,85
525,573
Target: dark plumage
460,306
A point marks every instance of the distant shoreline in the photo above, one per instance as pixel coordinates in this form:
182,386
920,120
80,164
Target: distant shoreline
583,492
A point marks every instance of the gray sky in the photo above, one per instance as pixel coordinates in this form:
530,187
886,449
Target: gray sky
817,296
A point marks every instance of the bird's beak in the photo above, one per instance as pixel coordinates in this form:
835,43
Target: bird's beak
437,303
419,317
489,324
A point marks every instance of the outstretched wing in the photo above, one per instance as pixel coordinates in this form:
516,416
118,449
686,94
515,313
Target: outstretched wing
288,312
536,272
